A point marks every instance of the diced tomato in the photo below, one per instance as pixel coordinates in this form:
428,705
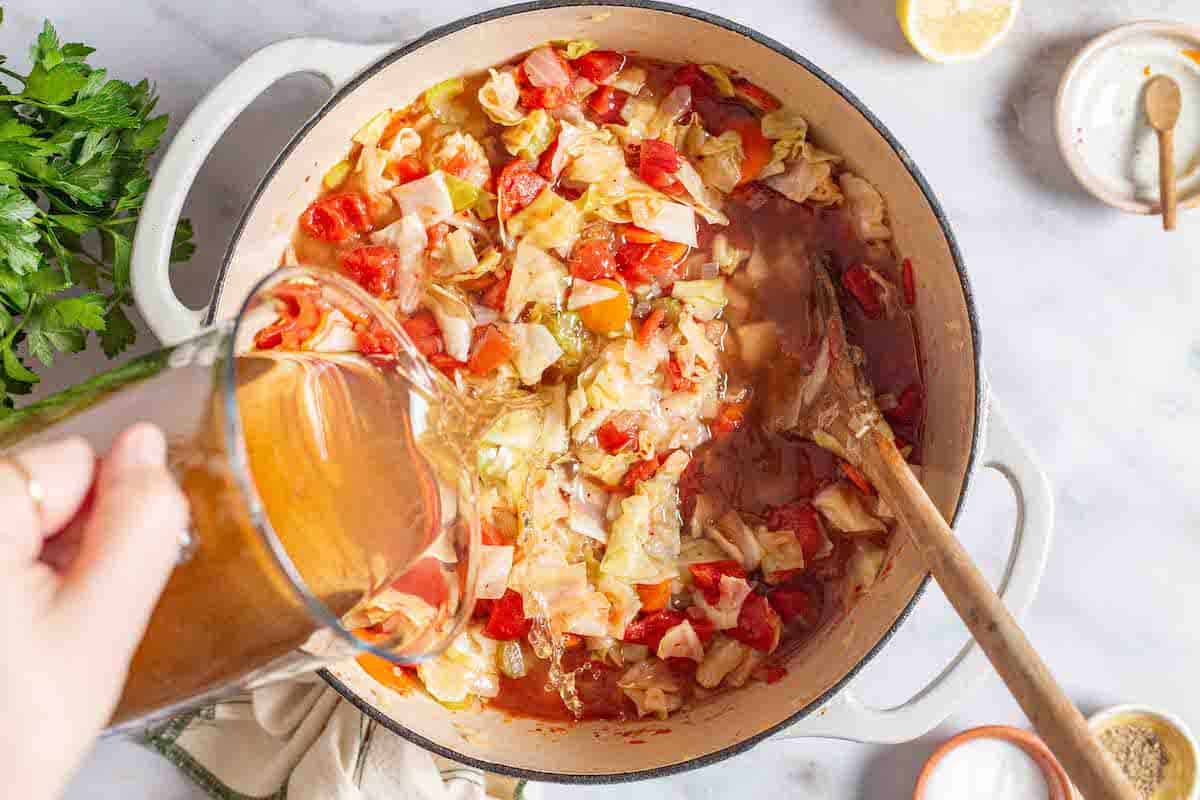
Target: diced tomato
756,148
909,282
336,217
909,405
654,596
675,373
298,319
649,629
657,163
423,329
548,97
650,326
372,267
857,478
490,349
592,259
447,363
508,621
490,534
801,519
704,627
459,164
858,282
518,185
632,233
545,166
693,77
643,263
755,95
774,674
758,624
374,340
792,604
405,169
730,417
707,576
493,296
606,103
599,65
641,471
615,437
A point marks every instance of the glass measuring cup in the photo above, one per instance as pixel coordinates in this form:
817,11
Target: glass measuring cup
332,513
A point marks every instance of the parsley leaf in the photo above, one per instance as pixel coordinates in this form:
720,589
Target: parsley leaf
75,145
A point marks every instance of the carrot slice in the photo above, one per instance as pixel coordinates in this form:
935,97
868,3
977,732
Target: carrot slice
655,596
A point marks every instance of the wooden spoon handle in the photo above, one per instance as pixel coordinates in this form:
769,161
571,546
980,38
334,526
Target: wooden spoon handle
1166,178
1053,715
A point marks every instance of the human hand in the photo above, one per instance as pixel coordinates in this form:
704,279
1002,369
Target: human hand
80,572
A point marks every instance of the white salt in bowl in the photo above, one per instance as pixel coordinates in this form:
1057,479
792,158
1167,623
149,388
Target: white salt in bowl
1101,123
1182,780
995,761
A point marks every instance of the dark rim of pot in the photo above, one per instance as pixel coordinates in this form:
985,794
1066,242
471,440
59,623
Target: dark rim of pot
521,8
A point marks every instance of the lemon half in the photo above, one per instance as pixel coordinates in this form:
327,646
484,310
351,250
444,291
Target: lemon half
947,31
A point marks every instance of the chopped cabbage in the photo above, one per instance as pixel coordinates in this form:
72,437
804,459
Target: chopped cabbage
741,673
677,101
440,97
577,48
336,175
461,247
706,201
585,293
454,317
427,198
720,78
570,333
724,654
866,208
604,467
843,506
553,439
624,604
500,97
368,135
537,277
545,67
407,142
724,613
757,342
705,297
699,551
463,194
728,257
587,518
535,351
336,335
594,156
788,129
529,138
548,222
517,429
495,562
588,617
467,667
696,347
368,174
806,180
674,222
653,687
781,552
681,641
739,534
470,161
630,79
721,161
862,568
626,557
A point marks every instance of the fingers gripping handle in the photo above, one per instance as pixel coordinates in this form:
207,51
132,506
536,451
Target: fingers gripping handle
847,717
169,319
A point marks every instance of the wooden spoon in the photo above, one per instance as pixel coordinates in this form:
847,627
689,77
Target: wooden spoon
834,406
1163,103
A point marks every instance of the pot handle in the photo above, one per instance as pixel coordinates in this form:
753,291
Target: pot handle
847,717
337,62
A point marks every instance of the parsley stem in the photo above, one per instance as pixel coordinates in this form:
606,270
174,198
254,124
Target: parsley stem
11,74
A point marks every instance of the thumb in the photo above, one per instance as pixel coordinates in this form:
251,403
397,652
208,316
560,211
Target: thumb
130,542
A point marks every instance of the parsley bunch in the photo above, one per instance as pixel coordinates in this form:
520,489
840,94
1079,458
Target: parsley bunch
74,146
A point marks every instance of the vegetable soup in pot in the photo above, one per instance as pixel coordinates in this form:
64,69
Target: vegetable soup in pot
628,246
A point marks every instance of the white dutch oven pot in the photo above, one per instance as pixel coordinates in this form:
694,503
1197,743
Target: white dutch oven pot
814,699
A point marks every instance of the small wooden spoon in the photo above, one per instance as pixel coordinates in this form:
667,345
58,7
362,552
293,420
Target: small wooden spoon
834,406
1163,103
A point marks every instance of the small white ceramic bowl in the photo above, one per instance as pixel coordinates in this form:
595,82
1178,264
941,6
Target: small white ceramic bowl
1100,122
1181,746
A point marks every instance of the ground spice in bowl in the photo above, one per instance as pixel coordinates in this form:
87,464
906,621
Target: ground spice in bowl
1140,753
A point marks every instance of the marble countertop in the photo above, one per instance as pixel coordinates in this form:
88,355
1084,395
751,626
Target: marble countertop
1091,331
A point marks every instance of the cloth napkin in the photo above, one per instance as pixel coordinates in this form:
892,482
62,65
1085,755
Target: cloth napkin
301,740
